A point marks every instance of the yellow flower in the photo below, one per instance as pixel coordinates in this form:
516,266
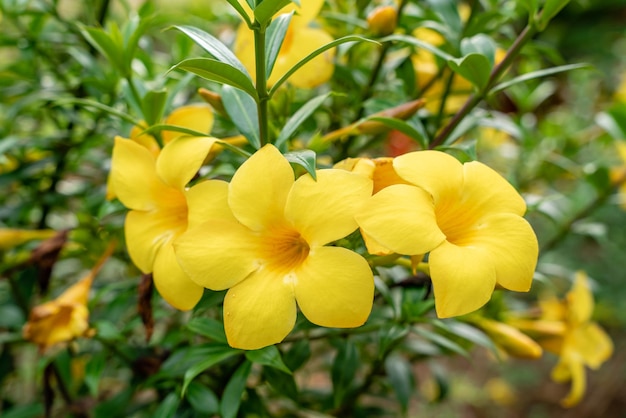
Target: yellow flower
66,317
508,338
272,251
583,342
467,216
154,190
11,237
300,40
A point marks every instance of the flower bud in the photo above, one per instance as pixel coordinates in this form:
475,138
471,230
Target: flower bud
382,20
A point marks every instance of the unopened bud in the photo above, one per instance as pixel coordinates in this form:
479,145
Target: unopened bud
382,20
510,339
214,99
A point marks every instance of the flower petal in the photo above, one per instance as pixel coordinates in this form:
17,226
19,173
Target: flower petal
134,177
180,160
146,232
335,288
591,343
323,210
512,247
304,41
488,191
259,311
402,218
208,200
463,279
172,283
580,299
258,190
217,254
244,47
197,117
571,368
438,173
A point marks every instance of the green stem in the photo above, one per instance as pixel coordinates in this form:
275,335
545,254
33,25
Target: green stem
528,32
261,81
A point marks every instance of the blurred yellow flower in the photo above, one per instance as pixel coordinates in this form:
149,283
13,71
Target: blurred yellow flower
618,174
66,317
272,253
155,191
300,40
12,237
467,216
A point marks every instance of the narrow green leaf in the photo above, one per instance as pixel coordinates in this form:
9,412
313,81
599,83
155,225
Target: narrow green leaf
153,104
283,383
550,9
418,43
274,39
474,67
305,158
265,11
241,11
103,42
480,44
343,370
318,51
302,114
401,126
268,356
218,71
441,341
202,399
231,399
213,46
467,332
215,356
34,410
399,373
297,355
243,112
208,327
168,407
97,105
538,74
93,372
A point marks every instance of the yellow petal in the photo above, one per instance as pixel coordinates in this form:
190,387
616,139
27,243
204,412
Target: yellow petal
217,254
134,177
197,117
244,49
146,232
401,218
307,10
335,288
571,368
489,191
511,245
580,299
78,293
208,200
438,173
172,283
145,140
592,344
259,311
258,190
373,246
304,40
463,279
180,160
323,211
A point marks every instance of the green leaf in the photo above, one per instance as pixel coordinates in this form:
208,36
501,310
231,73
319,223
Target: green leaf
218,71
93,372
268,356
274,39
448,12
99,106
35,410
302,114
399,373
441,341
213,46
265,11
467,332
153,104
418,43
216,355
241,11
318,51
231,399
403,127
168,407
343,370
202,399
283,383
390,334
104,43
474,67
305,158
480,44
297,355
550,9
243,112
208,327
538,74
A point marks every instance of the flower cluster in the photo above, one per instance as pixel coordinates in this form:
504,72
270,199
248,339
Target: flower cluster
271,239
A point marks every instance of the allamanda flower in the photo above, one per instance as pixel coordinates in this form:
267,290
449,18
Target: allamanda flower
154,189
300,40
580,342
271,252
467,216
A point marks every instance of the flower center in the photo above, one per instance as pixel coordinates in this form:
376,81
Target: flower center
456,221
284,249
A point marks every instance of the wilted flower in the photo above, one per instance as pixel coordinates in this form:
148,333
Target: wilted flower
300,40
467,216
272,252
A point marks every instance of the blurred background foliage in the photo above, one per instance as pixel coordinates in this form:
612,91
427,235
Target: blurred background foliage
63,99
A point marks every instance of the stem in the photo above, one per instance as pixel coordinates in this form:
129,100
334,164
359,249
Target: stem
261,81
528,32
